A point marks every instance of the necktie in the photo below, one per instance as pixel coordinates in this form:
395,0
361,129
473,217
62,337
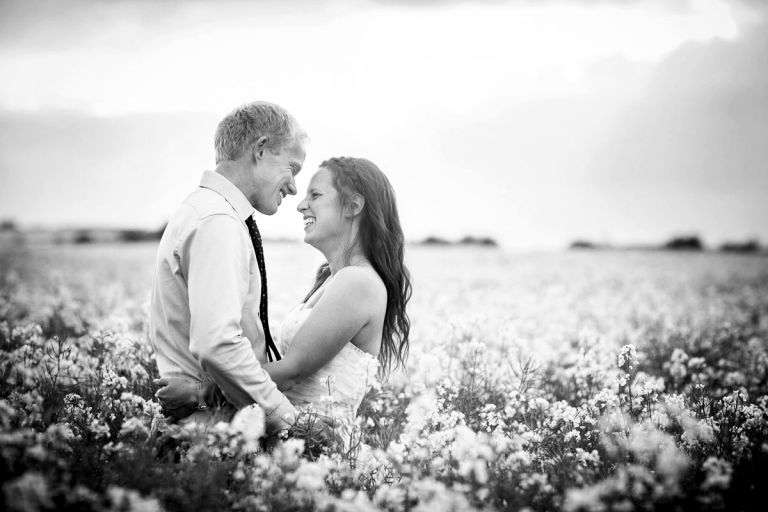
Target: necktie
256,240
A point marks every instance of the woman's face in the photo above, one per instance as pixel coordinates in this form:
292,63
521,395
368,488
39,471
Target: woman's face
324,223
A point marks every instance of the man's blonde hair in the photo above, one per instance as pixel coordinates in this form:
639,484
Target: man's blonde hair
241,128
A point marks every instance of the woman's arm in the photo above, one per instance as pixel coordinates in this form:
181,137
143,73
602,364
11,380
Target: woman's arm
344,309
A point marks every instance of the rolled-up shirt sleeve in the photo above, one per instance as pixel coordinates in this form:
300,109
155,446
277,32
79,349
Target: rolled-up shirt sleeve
215,259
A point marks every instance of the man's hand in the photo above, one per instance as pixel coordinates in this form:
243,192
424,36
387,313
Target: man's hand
178,397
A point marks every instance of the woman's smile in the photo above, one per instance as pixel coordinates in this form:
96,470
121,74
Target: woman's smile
322,201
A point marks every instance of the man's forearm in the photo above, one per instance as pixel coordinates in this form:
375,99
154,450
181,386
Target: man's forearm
243,381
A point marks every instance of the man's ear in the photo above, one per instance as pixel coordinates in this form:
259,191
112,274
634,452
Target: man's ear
260,147
355,205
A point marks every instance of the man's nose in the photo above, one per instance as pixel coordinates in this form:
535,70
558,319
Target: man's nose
292,186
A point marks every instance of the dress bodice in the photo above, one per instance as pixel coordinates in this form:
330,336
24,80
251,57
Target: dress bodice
338,387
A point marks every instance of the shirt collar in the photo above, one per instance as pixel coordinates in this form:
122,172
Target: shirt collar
233,195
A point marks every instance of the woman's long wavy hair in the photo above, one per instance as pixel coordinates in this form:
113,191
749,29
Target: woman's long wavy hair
380,237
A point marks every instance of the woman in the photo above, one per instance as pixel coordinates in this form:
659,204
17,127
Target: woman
353,321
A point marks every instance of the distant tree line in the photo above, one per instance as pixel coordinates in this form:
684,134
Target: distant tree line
8,225
684,243
679,243
467,240
139,235
83,236
88,236
743,247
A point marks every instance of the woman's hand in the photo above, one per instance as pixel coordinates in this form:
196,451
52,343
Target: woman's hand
178,397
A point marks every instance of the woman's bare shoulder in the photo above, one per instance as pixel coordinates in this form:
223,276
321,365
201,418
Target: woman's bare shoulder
362,281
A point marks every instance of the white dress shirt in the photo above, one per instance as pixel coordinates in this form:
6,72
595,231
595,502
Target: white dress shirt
204,313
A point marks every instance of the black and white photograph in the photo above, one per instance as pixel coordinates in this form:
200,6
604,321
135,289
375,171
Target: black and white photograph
383,255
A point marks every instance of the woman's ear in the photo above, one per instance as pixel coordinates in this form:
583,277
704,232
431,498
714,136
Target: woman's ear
355,205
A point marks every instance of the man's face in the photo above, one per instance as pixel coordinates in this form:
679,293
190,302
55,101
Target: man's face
274,178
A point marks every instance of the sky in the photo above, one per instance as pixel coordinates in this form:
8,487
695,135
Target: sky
535,122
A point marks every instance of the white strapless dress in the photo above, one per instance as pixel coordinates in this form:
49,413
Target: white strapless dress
338,387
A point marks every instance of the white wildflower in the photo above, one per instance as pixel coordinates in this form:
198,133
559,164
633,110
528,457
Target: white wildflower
627,359
310,476
718,473
249,423
29,492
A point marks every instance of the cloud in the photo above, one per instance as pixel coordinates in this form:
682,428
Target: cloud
702,122
38,23
42,24
691,152
670,4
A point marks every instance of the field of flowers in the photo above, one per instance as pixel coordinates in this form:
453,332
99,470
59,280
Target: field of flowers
574,381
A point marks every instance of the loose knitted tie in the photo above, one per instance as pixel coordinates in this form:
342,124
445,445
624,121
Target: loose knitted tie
256,239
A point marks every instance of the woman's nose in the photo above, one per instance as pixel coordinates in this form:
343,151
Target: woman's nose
302,205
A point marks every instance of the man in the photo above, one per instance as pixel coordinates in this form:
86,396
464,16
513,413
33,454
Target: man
207,291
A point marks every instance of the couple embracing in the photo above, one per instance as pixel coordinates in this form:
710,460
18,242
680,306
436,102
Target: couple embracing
208,314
